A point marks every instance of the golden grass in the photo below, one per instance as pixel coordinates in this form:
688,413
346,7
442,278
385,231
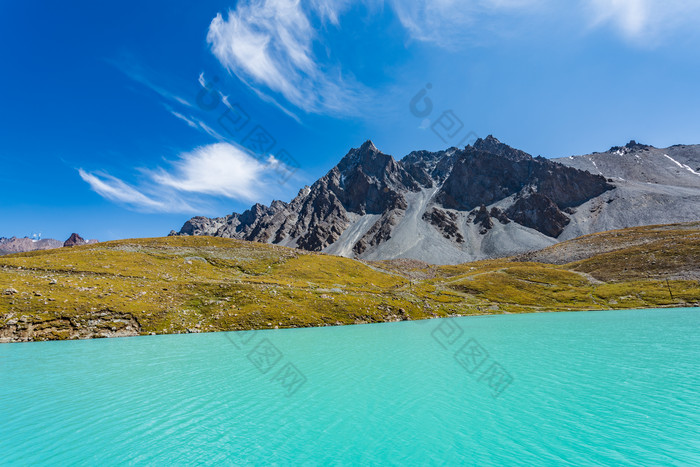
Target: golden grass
176,284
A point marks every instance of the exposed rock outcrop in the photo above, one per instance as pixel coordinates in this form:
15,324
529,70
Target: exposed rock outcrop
538,212
105,323
497,213
482,178
379,232
445,222
483,219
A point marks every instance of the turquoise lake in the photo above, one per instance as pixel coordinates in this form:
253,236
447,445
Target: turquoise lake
587,388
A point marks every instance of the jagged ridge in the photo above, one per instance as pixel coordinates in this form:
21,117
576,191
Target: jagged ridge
434,206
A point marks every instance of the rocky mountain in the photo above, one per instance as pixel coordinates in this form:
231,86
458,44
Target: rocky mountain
653,186
22,245
483,201
76,240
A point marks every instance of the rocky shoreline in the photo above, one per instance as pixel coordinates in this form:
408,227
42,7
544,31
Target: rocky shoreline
92,325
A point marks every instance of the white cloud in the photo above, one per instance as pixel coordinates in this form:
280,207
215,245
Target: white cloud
196,123
209,130
219,170
451,22
629,16
189,122
645,21
329,10
130,67
115,189
270,43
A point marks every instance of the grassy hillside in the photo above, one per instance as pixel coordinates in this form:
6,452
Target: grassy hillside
200,284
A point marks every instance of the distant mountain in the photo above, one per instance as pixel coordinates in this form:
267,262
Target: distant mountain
22,245
484,201
77,240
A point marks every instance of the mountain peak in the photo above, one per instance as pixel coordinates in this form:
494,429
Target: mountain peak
367,156
492,145
74,240
635,145
629,147
368,146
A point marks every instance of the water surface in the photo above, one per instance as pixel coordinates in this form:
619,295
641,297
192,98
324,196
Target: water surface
589,388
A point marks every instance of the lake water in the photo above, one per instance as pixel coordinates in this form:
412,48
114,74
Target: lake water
589,388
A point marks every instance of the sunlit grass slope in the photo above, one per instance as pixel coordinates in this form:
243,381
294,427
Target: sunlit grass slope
200,284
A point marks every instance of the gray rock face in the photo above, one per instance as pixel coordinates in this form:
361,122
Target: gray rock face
445,222
483,218
479,177
653,186
677,165
365,181
538,212
483,201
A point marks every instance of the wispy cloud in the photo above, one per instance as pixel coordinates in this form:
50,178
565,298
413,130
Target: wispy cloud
131,68
189,122
196,123
270,44
449,22
117,190
189,182
644,21
631,17
219,169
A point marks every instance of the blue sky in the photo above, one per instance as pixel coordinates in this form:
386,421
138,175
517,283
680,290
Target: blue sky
124,120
